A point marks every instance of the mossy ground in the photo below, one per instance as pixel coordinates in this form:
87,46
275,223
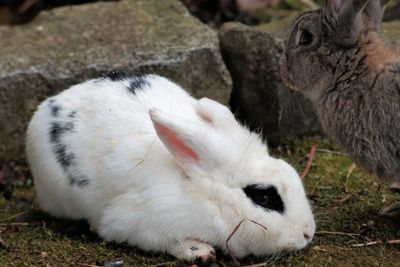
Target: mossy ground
46,241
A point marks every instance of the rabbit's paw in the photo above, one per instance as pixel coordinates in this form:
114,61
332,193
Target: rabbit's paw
191,250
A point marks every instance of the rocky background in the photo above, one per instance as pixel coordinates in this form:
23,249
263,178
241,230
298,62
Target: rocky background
44,50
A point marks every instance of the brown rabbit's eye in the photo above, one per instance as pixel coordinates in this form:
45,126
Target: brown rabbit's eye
306,37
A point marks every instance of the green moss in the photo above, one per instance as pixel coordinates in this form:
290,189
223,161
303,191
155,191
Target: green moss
69,243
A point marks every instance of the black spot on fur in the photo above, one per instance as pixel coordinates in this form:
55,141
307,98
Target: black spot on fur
72,114
55,110
55,132
79,180
137,81
116,76
266,197
66,159
58,128
83,182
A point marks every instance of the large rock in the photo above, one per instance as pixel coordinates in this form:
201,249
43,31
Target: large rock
259,97
71,44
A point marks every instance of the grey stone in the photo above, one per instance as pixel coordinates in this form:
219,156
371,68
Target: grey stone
259,97
68,45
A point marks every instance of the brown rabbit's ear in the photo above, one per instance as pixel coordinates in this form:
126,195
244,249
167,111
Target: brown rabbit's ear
344,8
345,17
374,11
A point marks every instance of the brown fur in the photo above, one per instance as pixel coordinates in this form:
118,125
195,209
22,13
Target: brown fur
351,72
379,52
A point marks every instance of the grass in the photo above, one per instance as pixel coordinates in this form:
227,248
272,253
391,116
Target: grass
46,241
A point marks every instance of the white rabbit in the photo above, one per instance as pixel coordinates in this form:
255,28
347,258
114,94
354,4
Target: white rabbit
147,164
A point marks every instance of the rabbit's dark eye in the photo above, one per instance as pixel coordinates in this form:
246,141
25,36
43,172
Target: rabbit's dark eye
266,197
306,37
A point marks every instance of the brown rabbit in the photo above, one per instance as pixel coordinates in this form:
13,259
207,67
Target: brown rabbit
339,58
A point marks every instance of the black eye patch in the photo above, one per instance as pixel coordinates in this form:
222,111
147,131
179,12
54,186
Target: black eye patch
266,197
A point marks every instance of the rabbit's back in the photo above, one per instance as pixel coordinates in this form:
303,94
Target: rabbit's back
364,118
94,136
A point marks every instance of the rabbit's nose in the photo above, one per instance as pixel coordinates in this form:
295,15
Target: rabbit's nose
307,236
308,233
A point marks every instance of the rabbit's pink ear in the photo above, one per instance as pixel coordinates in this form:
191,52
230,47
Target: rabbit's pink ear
337,5
174,142
176,135
215,113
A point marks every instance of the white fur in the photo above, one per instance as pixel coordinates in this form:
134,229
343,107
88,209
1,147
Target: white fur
144,191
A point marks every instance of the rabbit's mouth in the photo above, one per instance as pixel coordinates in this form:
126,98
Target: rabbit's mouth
284,72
